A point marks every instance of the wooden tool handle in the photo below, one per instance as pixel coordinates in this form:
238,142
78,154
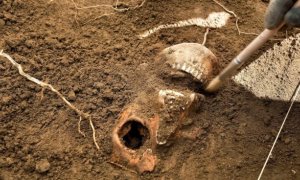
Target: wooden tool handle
244,55
240,59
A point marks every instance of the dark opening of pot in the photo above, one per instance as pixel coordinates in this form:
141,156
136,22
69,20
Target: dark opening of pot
134,134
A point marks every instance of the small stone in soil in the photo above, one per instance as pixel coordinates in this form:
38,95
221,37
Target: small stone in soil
222,135
6,99
267,138
240,131
99,85
287,140
42,166
29,43
188,122
71,96
274,132
142,67
205,125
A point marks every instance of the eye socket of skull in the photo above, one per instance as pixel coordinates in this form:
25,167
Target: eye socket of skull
133,134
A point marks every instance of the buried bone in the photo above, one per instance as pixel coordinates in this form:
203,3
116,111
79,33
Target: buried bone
176,106
191,58
179,101
134,141
214,20
141,128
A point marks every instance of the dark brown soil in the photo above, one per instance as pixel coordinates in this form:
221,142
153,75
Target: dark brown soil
100,65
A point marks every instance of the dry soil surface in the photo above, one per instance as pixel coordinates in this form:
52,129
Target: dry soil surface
100,65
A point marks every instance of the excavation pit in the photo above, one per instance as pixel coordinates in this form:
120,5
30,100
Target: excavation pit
133,134
79,50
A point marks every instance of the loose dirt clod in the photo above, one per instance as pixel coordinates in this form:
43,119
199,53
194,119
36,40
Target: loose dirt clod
42,166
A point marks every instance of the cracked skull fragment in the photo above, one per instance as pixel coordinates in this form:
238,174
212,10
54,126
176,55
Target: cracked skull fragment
140,129
191,58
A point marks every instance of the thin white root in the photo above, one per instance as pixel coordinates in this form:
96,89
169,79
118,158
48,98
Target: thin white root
122,167
126,9
79,127
293,99
230,12
205,36
103,15
114,8
237,23
49,86
92,7
94,132
42,94
138,6
108,6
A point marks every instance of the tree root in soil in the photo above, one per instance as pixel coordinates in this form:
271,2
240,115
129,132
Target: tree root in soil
236,19
50,87
114,7
122,167
205,36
